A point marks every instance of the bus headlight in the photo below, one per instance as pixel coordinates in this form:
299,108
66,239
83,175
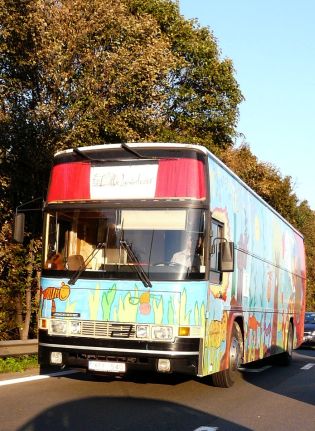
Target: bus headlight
142,331
162,332
75,327
59,326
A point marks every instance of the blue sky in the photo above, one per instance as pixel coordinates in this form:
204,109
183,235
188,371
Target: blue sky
272,46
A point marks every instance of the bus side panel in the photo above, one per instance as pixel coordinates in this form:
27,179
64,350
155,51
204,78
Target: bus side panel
267,287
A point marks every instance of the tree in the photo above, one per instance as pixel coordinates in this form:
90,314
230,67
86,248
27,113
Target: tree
265,179
305,222
19,267
79,72
202,104
83,72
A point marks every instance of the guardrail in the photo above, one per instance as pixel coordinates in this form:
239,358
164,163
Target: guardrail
18,347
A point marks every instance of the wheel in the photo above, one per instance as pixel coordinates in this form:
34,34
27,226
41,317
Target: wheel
285,358
227,378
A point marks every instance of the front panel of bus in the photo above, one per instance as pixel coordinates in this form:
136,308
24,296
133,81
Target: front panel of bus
124,281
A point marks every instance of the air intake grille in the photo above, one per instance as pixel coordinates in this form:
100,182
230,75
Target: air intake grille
107,330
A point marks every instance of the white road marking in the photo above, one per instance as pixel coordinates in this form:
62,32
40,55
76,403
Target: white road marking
206,429
255,370
33,378
307,366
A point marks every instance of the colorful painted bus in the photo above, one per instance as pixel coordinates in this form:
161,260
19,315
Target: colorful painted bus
158,257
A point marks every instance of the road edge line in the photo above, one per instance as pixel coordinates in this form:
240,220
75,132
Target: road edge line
38,377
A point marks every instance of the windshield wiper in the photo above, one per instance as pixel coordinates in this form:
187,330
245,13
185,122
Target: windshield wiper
83,155
132,151
83,267
124,146
137,265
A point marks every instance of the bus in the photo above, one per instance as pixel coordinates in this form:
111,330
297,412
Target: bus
157,257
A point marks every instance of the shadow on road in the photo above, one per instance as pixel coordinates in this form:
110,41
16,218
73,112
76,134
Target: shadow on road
275,379
125,414
151,411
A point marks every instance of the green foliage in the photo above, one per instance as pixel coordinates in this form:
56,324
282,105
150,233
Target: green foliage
83,72
86,72
202,104
19,266
305,222
265,179
105,71
18,364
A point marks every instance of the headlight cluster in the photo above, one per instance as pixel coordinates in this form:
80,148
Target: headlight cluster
64,327
154,332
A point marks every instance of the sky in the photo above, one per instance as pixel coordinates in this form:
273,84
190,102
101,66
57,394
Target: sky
272,46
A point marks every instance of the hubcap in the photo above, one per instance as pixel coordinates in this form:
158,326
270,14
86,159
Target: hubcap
234,354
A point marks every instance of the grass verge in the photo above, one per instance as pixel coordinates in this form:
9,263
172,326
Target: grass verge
18,364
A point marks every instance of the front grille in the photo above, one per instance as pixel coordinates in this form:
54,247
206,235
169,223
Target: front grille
107,329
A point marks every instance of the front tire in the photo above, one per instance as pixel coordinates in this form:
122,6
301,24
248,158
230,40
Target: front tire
226,378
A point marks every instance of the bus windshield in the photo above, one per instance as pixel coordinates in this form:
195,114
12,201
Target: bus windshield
168,244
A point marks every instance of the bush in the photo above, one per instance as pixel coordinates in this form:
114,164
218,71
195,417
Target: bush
18,364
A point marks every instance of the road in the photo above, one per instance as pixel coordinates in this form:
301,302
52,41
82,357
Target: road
271,398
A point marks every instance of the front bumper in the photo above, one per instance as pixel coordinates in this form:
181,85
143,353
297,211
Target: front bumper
76,352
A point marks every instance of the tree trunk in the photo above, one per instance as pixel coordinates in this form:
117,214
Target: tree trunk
19,314
24,315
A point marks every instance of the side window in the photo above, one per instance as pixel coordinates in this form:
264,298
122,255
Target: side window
216,232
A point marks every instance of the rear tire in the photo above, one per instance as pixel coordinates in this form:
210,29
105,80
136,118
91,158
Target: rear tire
226,378
285,358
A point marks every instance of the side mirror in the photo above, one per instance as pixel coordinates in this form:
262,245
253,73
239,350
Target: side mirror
226,256
18,231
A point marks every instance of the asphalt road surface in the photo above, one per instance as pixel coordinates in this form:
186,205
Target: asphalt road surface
267,397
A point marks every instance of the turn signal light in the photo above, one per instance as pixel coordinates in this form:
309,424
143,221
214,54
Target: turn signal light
184,331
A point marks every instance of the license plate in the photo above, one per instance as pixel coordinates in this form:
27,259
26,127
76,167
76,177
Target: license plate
107,367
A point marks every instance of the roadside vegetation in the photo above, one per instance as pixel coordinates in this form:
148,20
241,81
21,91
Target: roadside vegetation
87,72
18,364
